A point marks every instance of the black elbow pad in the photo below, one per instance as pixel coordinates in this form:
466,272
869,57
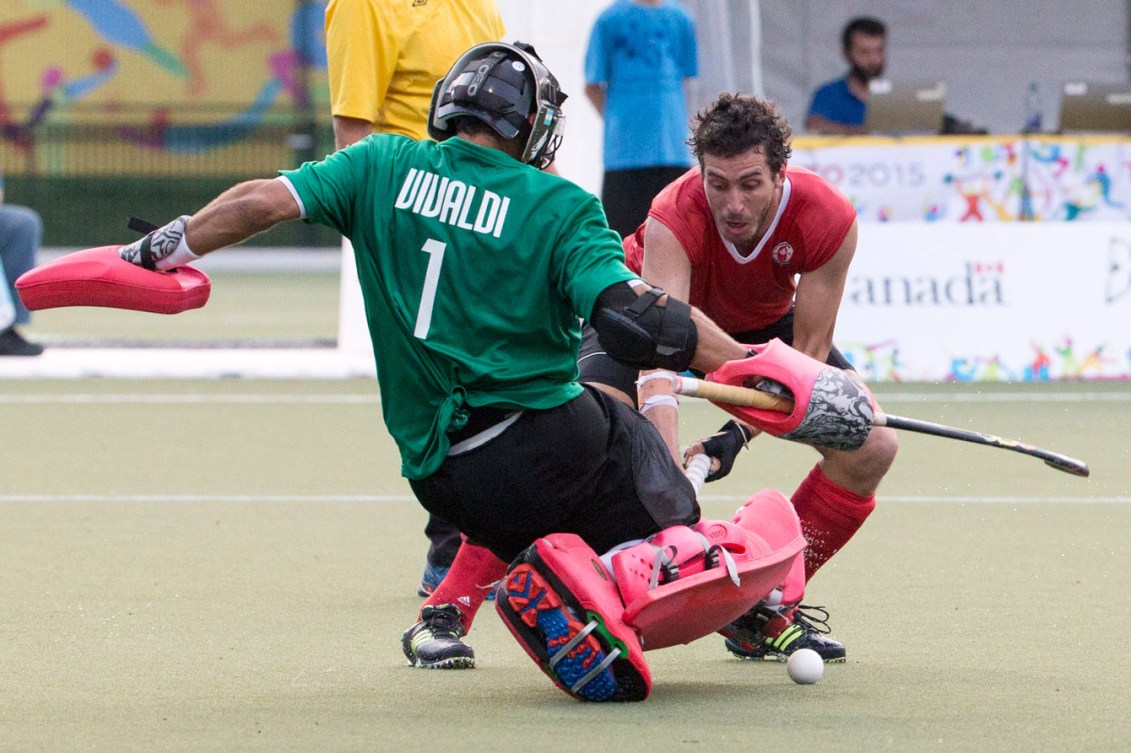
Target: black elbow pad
635,331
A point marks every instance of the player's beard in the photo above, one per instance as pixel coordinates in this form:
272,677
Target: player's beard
865,75
754,223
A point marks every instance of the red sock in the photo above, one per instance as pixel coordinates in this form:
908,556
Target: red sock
468,581
830,515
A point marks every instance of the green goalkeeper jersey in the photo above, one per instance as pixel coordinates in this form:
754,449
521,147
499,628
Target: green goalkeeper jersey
474,269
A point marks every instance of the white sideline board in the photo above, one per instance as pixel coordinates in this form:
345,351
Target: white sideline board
989,302
928,302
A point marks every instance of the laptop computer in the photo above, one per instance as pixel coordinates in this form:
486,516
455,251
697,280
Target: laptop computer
1091,107
904,107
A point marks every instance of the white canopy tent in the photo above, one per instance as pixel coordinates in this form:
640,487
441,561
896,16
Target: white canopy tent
728,32
987,51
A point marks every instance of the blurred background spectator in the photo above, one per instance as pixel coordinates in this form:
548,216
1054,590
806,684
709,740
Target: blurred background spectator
641,54
384,60
20,232
839,106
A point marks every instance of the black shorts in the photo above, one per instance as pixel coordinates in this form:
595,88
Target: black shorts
783,330
592,466
627,194
597,367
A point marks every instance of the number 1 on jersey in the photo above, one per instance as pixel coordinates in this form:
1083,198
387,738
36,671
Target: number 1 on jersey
435,250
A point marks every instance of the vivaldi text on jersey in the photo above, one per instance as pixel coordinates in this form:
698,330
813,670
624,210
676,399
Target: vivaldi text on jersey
453,202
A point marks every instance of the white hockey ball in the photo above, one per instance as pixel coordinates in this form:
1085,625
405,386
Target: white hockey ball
805,666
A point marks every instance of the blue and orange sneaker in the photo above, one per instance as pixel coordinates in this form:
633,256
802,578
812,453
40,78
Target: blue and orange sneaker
433,575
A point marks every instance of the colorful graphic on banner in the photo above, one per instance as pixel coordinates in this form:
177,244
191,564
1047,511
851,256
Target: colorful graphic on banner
118,58
984,179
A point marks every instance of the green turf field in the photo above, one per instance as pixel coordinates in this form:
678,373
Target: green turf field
227,565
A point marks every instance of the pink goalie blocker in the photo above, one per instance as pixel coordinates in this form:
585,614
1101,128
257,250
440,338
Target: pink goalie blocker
708,595
99,277
827,406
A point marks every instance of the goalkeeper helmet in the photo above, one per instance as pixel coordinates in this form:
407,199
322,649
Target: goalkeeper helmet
501,85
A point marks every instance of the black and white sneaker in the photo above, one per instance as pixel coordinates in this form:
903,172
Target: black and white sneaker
434,642
775,632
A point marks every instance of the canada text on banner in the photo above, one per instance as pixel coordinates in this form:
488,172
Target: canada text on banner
990,302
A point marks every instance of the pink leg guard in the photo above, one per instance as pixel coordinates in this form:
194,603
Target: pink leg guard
770,514
830,516
560,603
687,582
471,578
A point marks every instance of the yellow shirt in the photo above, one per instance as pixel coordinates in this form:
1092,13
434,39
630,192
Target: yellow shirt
385,56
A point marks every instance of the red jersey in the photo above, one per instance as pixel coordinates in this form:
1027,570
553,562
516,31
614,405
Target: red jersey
742,293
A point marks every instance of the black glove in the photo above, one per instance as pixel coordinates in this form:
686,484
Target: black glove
724,446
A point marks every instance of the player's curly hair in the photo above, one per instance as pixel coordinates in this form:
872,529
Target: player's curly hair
734,124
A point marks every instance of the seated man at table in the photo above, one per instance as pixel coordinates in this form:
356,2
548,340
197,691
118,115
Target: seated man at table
839,106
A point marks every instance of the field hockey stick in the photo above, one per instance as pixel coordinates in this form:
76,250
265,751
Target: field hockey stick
696,471
726,393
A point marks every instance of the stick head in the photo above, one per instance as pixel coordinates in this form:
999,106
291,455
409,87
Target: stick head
1068,465
99,277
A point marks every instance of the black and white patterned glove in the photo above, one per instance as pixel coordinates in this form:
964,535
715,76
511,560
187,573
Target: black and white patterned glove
161,249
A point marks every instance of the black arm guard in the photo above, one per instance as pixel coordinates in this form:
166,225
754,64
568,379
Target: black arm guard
634,330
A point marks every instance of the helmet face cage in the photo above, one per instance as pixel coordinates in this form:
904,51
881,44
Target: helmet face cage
491,82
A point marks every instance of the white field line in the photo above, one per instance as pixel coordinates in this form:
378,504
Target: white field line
349,398
354,398
192,399
163,498
1005,397
386,498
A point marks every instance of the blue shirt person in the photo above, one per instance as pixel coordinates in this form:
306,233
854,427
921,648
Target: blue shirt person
840,106
639,57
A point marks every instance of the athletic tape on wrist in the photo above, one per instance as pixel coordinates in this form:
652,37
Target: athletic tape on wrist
181,255
657,400
656,375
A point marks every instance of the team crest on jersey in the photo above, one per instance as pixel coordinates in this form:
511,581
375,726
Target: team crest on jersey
782,253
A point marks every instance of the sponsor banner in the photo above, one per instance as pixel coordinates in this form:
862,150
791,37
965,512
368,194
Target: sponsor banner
993,302
977,179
